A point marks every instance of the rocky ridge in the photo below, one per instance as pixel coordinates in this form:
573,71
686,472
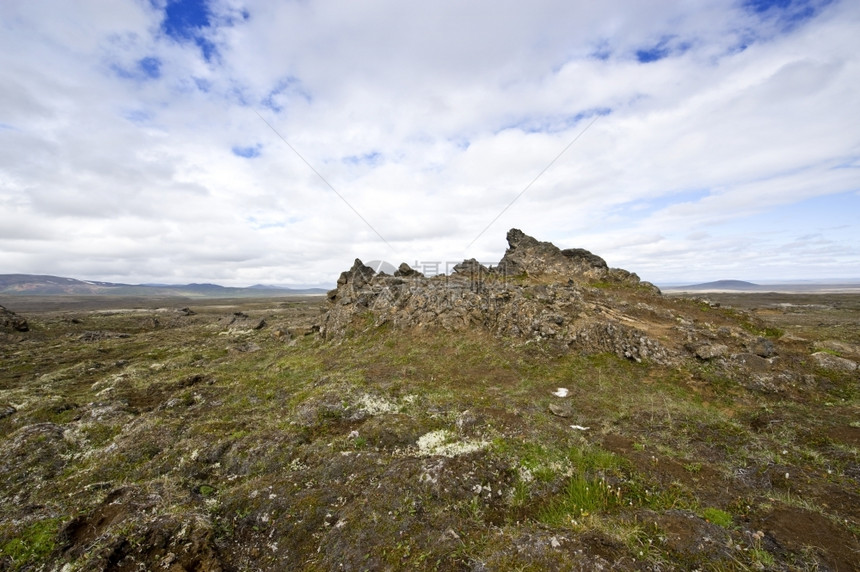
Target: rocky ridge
570,298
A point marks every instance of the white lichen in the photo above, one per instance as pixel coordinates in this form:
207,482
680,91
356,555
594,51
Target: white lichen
376,405
443,442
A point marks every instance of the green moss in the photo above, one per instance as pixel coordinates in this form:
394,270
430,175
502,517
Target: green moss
718,517
33,544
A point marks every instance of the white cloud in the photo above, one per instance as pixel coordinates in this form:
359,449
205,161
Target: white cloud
117,141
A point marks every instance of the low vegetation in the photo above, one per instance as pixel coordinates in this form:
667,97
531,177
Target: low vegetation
198,439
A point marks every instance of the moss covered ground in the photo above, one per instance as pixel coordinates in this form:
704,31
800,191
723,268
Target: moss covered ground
155,438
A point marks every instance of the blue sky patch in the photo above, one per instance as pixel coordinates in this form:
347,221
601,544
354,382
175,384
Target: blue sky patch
203,85
602,51
789,13
137,116
248,152
184,19
151,67
662,49
286,88
554,124
372,158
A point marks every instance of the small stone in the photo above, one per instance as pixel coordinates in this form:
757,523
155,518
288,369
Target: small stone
561,409
710,351
6,410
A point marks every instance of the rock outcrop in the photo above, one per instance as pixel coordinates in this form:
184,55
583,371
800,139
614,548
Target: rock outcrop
536,291
10,321
571,299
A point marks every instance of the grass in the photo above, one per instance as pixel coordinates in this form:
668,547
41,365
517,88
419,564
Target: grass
286,435
718,517
32,544
580,497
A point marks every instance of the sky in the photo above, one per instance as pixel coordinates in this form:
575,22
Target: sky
253,141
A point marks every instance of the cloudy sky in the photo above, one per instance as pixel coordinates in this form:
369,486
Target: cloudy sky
263,141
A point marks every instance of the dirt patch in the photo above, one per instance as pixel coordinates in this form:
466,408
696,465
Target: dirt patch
845,434
709,485
794,530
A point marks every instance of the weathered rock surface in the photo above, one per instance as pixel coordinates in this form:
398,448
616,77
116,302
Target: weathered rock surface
570,298
10,321
829,361
536,291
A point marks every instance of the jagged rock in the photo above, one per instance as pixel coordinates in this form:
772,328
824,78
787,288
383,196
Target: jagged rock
499,302
762,347
470,267
528,256
830,361
6,410
10,321
351,282
406,271
580,254
242,321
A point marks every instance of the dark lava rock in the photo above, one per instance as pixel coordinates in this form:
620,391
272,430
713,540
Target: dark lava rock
10,321
6,410
762,347
529,256
351,281
471,266
406,271
754,363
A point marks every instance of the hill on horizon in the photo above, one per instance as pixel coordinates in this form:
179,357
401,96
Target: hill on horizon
47,285
723,285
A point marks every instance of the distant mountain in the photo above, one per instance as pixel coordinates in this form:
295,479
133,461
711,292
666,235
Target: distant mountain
42,285
849,285
722,285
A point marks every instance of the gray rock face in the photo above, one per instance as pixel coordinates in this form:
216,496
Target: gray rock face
536,291
710,351
351,282
829,361
762,347
10,321
527,256
406,271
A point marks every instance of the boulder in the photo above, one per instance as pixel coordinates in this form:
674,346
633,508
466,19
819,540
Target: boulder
470,267
762,347
710,351
10,321
528,256
406,271
830,361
